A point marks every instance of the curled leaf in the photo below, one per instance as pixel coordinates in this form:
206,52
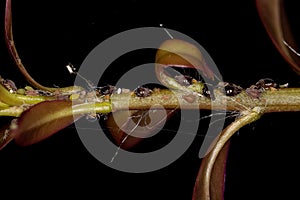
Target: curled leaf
218,175
128,128
274,18
179,53
212,169
15,55
12,48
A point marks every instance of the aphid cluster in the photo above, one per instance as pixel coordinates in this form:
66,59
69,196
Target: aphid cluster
260,86
229,89
109,90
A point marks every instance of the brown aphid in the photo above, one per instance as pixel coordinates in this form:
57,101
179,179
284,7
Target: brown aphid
184,80
266,84
253,91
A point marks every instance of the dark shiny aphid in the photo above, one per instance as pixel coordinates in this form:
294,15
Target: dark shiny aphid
266,83
106,90
142,91
230,89
207,91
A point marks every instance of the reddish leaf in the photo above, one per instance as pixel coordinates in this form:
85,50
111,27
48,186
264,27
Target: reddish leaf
175,52
43,120
274,19
12,48
128,128
215,189
8,33
210,180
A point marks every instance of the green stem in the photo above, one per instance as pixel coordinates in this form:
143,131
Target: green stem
14,99
281,100
86,108
3,105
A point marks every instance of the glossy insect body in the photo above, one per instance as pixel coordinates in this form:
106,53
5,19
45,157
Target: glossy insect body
266,83
229,89
106,90
260,86
207,91
142,91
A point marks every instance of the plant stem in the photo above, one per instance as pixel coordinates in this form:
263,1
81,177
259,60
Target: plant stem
13,99
13,111
281,100
202,188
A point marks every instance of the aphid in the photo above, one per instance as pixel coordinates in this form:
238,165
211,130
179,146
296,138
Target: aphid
207,91
184,80
9,85
266,84
253,91
230,89
106,90
142,91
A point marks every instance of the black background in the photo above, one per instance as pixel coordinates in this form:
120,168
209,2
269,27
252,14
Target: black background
49,34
